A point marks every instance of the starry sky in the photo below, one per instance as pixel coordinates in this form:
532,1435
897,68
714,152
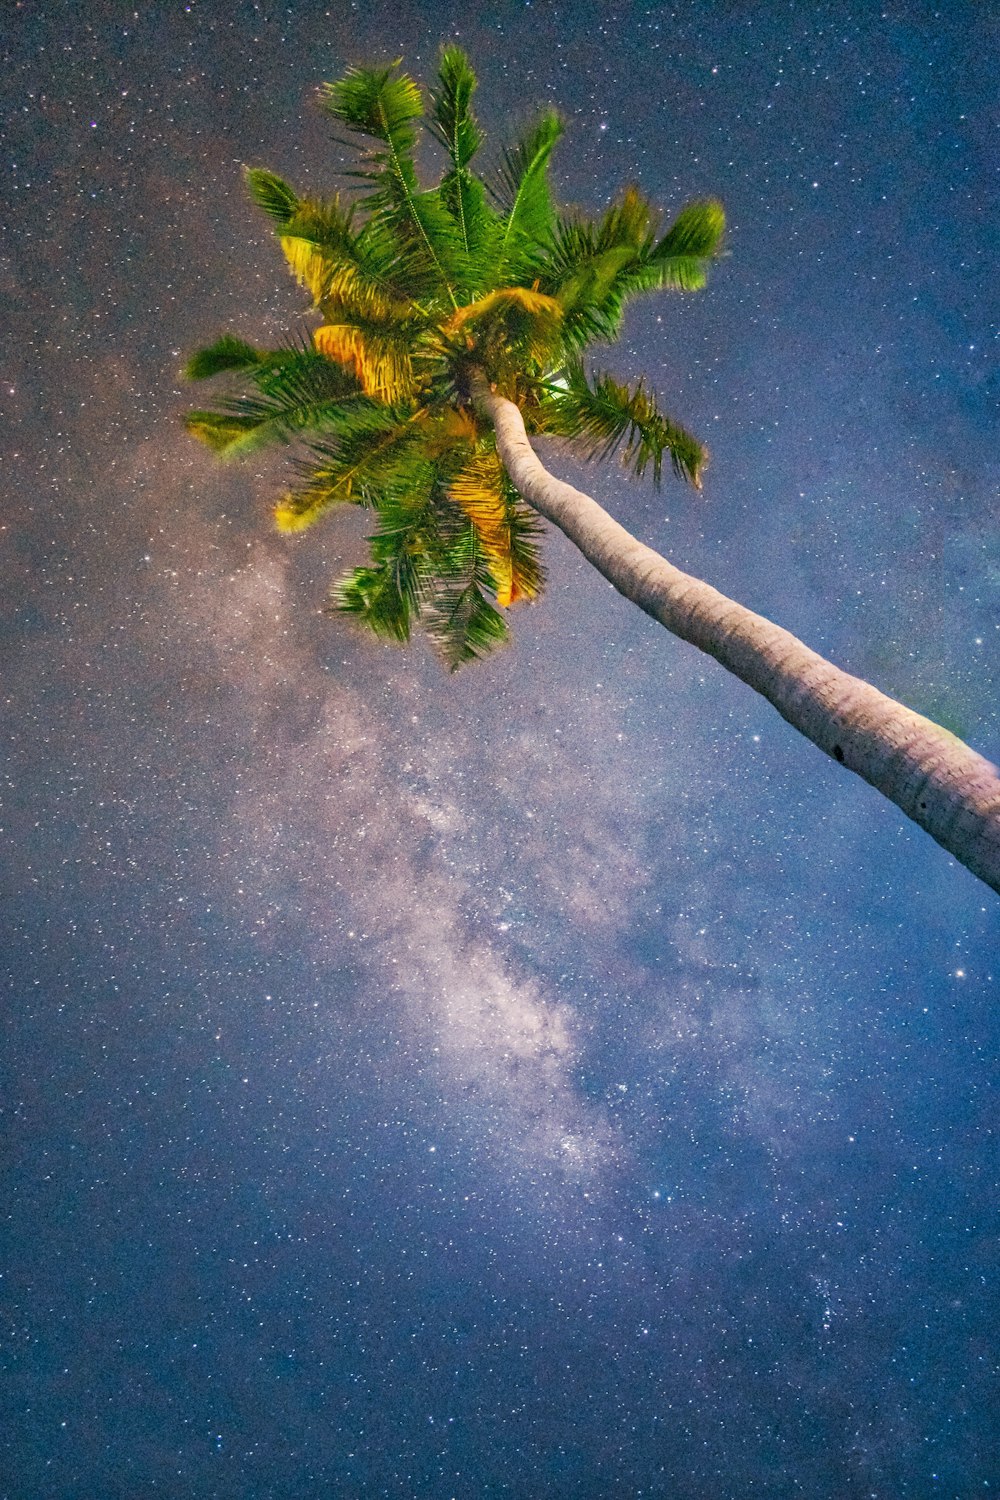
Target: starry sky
557,1079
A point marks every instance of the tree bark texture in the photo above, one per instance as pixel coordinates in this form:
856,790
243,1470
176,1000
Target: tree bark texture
936,779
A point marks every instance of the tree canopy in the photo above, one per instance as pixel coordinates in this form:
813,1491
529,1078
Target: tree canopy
419,291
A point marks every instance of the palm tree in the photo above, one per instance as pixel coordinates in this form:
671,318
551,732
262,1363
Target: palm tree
454,325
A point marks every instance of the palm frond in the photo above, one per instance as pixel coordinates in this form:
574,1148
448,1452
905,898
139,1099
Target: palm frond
449,430
378,355
382,597
297,372
527,320
586,267
524,196
525,533
460,622
604,414
290,361
270,192
314,238
220,431
227,353
455,126
378,276
377,450
385,106
485,495
584,258
452,120
377,102
680,260
295,391
387,597
365,271
628,222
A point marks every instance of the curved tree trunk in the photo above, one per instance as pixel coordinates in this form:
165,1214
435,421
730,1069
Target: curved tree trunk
938,781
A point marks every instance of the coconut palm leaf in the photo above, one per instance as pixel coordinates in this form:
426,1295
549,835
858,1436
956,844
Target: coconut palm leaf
522,191
385,106
226,354
452,120
363,270
272,193
460,622
507,533
382,597
595,269
226,433
263,366
604,414
514,318
406,551
454,125
680,260
378,356
295,391
585,261
377,452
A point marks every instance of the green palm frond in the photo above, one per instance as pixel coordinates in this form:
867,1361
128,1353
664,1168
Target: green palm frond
226,354
583,256
603,415
295,391
377,102
595,269
452,120
524,196
385,106
221,431
382,597
461,623
377,450
272,193
331,258
317,240
585,266
387,597
525,535
454,125
379,276
680,260
230,355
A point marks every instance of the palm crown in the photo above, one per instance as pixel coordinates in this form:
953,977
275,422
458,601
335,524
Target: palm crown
419,293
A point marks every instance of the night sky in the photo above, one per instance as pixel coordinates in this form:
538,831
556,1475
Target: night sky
556,1079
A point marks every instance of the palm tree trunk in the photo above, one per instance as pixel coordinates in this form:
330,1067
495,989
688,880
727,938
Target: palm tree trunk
938,781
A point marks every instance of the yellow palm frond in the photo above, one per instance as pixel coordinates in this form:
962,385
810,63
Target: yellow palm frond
347,284
308,264
524,318
480,491
525,299
333,279
455,425
380,363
